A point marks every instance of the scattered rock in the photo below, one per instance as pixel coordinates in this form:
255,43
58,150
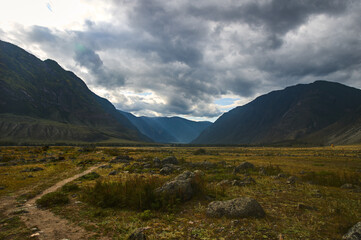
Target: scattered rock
34,169
34,229
302,206
20,211
224,183
157,163
147,165
166,170
35,235
106,166
291,180
243,166
316,194
236,208
203,165
348,186
180,186
121,159
170,160
138,234
112,173
354,233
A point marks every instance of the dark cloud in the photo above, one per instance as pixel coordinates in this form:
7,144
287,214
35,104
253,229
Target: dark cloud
41,34
189,53
88,58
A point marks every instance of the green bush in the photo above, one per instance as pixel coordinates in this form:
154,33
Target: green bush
200,151
52,199
90,176
70,187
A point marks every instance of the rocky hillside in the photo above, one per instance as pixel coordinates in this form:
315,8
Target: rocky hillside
40,101
168,129
318,113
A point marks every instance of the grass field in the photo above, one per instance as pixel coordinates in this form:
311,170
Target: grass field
320,172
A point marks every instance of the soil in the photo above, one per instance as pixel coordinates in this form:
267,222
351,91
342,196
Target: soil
48,225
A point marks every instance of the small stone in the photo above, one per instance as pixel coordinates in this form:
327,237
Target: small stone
348,186
302,206
112,173
35,235
170,160
291,180
138,234
354,233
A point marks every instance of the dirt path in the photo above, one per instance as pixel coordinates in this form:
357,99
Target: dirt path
51,226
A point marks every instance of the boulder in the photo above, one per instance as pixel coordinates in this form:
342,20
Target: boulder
236,208
180,186
166,170
243,166
170,160
354,233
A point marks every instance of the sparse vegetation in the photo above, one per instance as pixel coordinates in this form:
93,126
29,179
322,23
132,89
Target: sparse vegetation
52,199
116,205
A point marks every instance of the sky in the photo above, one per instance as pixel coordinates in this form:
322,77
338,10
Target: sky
194,59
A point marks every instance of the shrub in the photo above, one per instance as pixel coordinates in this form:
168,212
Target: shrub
200,151
146,215
270,170
334,179
90,176
70,187
52,199
135,192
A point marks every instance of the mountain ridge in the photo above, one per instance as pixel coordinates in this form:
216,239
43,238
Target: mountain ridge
47,94
167,129
290,114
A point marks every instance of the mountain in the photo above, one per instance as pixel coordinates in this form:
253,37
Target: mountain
318,113
40,101
168,129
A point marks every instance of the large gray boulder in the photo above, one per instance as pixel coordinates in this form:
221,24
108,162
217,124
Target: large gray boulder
242,207
354,233
180,186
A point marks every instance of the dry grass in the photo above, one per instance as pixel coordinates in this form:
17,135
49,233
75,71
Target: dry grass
334,209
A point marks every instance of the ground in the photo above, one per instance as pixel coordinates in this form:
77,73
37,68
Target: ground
314,207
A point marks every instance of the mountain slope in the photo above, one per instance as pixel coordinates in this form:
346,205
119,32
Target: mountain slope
168,130
39,100
289,115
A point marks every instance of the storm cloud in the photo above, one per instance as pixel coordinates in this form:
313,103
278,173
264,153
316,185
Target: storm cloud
165,58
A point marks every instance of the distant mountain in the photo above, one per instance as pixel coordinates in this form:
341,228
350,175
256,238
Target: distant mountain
318,113
168,130
40,101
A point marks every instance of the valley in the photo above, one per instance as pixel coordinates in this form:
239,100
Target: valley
306,193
